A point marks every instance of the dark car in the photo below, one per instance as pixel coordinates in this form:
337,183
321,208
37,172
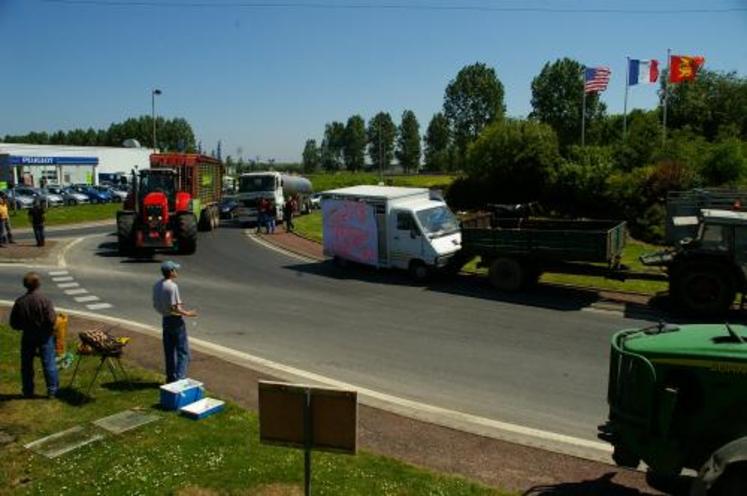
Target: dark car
228,206
94,195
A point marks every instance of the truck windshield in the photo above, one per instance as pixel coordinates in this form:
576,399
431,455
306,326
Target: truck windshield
252,184
438,221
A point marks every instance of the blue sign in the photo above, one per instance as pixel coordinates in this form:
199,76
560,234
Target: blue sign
26,160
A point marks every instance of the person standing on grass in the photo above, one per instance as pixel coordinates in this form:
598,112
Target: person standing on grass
168,303
34,315
37,216
3,215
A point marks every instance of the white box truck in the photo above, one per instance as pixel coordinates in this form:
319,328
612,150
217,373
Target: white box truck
384,226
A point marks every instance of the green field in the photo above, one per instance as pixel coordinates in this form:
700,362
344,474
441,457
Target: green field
218,455
310,226
69,215
327,181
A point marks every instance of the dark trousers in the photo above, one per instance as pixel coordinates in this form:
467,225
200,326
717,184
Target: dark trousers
289,223
44,345
8,231
39,235
175,347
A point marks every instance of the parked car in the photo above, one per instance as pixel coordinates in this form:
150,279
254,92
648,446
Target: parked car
117,193
315,201
228,206
94,195
51,199
18,200
69,196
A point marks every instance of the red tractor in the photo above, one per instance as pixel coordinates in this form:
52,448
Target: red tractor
169,202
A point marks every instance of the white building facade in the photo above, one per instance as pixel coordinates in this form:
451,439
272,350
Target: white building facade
58,164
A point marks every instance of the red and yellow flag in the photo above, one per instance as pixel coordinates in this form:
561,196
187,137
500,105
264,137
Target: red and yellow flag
684,67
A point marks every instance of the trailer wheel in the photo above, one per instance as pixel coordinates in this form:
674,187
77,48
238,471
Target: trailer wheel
704,289
186,233
125,227
732,483
506,274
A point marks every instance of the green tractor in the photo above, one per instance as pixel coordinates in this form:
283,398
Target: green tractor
678,400
707,270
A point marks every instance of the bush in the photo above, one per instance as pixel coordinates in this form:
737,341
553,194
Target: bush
515,159
725,163
579,185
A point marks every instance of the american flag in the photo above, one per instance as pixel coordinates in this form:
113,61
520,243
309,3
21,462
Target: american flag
596,79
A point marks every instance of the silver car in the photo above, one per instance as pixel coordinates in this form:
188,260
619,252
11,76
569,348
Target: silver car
69,196
51,199
18,201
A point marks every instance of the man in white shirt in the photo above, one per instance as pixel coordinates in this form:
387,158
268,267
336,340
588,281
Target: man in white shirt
168,303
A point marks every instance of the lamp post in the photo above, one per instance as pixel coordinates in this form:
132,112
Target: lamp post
153,113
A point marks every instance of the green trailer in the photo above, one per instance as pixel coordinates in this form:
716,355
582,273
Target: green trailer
518,250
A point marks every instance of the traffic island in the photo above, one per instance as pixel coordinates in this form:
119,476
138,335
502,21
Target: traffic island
383,436
26,251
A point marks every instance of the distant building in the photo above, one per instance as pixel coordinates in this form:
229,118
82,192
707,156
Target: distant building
58,164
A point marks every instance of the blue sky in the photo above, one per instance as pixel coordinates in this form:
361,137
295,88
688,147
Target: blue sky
265,79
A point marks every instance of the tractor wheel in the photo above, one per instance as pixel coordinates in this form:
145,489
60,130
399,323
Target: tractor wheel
186,233
733,482
703,289
125,227
506,274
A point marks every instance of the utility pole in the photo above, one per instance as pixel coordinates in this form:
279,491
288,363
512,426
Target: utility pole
381,157
153,113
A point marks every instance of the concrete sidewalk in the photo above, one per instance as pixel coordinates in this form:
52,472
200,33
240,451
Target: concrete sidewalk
490,461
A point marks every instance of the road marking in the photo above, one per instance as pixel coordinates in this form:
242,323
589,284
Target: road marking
518,434
63,279
277,249
64,285
86,299
76,291
58,273
61,262
98,306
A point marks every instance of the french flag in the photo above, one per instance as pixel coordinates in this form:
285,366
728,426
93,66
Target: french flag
642,71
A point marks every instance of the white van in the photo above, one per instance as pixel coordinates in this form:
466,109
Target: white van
384,226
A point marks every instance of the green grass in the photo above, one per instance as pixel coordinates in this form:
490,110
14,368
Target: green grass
327,181
310,226
69,215
218,455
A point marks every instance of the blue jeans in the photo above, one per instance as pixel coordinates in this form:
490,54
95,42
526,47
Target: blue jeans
39,235
175,347
30,344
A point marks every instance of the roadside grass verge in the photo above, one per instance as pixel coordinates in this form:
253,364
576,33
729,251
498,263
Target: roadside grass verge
310,226
175,455
69,215
327,181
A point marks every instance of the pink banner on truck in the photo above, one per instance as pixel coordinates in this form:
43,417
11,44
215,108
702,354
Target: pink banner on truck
349,231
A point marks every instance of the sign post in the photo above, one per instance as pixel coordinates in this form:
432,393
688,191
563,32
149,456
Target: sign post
308,418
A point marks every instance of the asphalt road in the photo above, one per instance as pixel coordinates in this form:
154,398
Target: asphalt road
537,361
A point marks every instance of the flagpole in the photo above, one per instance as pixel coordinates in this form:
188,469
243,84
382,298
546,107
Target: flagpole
625,105
666,97
583,108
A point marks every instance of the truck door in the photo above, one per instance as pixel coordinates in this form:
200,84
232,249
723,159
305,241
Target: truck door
406,239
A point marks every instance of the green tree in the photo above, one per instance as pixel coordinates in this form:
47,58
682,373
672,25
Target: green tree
711,104
642,140
333,145
354,145
557,94
382,134
473,100
516,159
437,143
725,163
311,156
408,143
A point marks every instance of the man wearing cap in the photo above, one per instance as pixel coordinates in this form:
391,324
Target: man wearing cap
168,303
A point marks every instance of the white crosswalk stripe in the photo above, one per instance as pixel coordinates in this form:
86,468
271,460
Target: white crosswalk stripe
85,299
98,306
64,285
58,273
76,291
63,279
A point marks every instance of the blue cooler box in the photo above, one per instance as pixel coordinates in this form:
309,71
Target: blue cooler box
203,408
180,393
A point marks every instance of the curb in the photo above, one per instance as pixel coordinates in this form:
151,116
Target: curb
63,227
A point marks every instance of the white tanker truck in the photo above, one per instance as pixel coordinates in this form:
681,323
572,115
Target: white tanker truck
274,186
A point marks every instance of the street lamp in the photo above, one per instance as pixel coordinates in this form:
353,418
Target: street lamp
153,113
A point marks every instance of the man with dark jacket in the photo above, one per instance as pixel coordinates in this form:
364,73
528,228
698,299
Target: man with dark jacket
34,314
37,216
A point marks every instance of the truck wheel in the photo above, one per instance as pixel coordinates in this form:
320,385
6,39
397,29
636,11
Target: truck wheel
186,233
506,274
732,483
418,270
704,289
125,227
